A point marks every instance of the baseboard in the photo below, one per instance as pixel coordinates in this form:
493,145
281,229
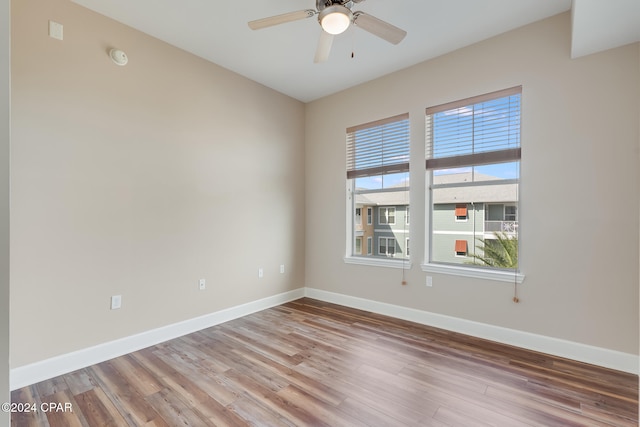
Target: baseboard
50,368
571,350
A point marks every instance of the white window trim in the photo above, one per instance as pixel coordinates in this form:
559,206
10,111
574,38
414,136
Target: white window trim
400,263
355,249
391,231
452,233
369,215
477,273
460,270
369,245
386,216
386,245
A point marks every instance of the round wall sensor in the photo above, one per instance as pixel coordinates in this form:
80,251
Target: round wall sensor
118,57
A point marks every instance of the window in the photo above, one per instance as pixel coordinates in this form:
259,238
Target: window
407,247
510,213
387,246
358,248
358,219
387,216
473,170
501,218
461,248
378,181
461,212
406,216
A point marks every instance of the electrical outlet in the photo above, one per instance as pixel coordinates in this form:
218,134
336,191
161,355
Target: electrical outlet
281,268
55,30
202,284
116,302
429,281
260,273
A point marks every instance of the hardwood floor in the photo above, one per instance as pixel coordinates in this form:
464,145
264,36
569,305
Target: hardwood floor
310,363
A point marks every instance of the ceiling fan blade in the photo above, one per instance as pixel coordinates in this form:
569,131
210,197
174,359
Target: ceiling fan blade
379,28
324,47
281,19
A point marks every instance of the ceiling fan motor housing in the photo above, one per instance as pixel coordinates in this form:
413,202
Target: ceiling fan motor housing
335,19
322,4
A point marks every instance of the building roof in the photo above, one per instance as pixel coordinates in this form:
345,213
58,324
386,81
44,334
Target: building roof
481,188
394,198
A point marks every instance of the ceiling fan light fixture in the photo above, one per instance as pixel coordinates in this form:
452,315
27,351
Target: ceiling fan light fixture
335,19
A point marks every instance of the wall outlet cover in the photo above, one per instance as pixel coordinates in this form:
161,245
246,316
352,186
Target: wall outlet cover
116,302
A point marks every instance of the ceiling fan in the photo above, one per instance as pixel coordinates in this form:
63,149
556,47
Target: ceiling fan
335,16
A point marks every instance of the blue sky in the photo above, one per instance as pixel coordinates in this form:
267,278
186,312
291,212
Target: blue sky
486,126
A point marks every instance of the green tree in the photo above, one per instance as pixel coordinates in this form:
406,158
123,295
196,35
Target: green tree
501,252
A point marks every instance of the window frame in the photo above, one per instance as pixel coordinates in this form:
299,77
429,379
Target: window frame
386,245
355,249
508,205
511,276
372,170
386,216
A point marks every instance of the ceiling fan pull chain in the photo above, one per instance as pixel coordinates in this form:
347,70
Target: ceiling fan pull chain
353,43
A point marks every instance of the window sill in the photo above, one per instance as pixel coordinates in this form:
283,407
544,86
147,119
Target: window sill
477,273
378,262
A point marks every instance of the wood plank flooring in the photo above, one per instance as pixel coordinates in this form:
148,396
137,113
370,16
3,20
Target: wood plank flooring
310,363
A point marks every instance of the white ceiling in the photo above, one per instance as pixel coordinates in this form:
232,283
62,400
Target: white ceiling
599,25
282,57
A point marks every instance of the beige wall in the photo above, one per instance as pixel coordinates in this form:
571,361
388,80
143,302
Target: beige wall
579,194
4,204
139,181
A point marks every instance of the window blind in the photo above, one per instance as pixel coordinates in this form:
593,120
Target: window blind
378,148
480,130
